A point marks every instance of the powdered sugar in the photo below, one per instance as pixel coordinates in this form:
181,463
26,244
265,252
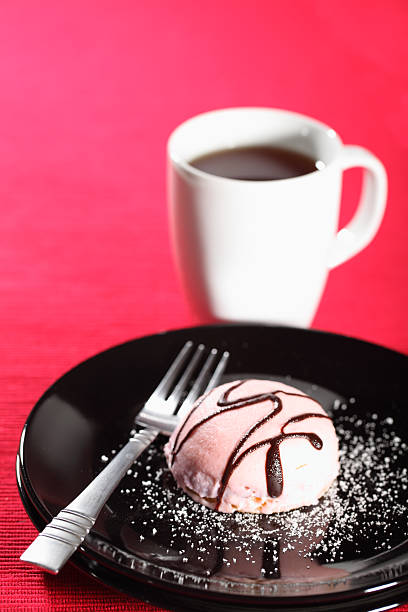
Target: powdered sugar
364,513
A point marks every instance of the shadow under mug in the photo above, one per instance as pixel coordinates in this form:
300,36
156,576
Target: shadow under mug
260,251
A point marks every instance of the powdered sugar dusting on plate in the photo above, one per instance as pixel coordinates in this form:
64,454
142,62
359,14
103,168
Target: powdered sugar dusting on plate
364,512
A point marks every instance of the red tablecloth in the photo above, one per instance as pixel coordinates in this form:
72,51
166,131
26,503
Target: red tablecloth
89,93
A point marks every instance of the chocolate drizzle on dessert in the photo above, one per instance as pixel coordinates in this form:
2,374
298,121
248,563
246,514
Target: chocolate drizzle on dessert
273,464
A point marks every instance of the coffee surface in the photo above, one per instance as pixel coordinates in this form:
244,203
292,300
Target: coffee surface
256,163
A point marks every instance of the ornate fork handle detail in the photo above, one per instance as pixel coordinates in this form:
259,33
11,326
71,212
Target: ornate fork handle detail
69,527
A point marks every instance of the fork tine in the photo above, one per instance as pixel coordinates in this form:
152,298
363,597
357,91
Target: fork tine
179,389
167,381
162,417
166,420
218,372
199,384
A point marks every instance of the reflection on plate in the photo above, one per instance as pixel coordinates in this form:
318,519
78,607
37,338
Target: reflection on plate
351,547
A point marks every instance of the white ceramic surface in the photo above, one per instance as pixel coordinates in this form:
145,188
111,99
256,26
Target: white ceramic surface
260,251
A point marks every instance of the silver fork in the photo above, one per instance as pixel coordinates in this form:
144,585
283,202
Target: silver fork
61,537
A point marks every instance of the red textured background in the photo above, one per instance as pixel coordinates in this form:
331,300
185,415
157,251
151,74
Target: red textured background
89,92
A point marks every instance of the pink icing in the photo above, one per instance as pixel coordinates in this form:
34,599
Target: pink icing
307,471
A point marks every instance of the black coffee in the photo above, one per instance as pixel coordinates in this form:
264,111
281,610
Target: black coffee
256,163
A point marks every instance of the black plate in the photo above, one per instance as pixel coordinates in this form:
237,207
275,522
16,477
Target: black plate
153,542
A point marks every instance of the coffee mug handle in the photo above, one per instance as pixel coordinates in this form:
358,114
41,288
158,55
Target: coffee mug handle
367,219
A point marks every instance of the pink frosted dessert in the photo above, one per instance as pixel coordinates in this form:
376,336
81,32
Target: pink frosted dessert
254,446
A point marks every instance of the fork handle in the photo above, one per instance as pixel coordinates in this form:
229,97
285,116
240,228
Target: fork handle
61,537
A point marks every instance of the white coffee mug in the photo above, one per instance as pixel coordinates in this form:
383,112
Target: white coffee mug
260,251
